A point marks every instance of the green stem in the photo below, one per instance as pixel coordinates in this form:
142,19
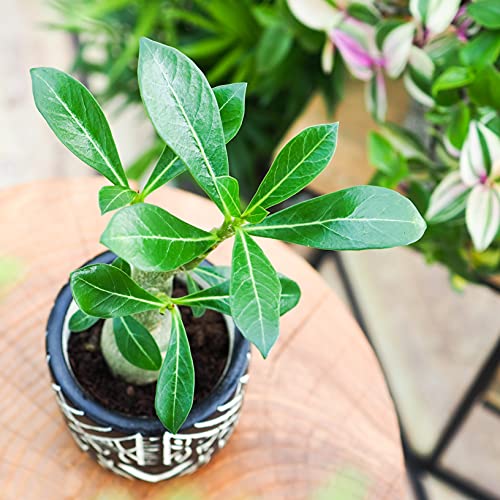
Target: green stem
158,324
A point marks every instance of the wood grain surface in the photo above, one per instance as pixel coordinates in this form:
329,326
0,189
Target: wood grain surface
317,419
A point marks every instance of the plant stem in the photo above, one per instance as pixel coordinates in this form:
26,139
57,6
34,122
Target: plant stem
157,283
157,324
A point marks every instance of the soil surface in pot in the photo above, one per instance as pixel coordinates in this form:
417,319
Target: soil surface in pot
209,342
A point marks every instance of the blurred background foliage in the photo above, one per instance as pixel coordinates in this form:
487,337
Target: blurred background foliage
256,41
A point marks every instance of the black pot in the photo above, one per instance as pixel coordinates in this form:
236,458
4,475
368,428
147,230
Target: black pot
141,447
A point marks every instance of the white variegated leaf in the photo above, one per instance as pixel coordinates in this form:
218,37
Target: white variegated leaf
416,92
376,97
315,14
492,144
327,56
355,42
396,49
417,9
482,215
473,165
440,14
421,62
448,199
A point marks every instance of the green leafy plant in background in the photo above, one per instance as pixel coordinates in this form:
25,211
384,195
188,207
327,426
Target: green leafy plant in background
143,338
230,40
448,55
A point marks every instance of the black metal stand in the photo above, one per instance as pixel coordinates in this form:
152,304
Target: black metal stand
419,465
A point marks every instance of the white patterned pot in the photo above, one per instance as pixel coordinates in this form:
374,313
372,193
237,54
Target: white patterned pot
138,447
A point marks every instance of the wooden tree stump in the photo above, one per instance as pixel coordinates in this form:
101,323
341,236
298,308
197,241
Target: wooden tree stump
317,417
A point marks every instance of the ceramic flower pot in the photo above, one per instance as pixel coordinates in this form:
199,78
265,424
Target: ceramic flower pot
140,447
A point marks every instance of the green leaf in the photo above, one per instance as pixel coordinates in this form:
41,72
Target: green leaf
351,219
484,90
254,294
296,165
453,78
78,121
218,275
404,142
258,214
364,13
273,47
114,197
231,102
382,154
123,265
481,50
290,294
152,239
230,193
184,111
193,287
80,321
107,292
168,167
215,297
213,275
486,13
175,386
136,344
459,125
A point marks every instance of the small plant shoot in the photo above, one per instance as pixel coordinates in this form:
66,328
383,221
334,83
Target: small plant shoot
143,337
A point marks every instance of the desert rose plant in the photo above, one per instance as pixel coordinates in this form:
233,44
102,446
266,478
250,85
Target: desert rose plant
143,337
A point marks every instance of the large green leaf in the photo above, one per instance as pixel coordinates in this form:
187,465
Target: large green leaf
254,294
114,197
231,102
297,164
168,167
105,291
184,111
152,239
78,121
351,219
80,321
136,344
175,386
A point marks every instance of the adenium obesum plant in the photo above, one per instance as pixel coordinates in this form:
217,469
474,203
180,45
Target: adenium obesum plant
143,337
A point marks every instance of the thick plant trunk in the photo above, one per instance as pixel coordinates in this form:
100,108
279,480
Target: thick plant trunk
157,324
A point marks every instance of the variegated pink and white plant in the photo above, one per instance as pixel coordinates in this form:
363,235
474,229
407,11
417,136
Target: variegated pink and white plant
448,55
475,187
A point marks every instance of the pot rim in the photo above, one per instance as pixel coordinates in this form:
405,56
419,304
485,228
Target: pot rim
65,379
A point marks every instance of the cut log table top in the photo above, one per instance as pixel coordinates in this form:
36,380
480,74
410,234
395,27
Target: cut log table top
317,419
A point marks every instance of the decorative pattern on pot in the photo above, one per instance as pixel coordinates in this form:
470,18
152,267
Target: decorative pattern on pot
154,458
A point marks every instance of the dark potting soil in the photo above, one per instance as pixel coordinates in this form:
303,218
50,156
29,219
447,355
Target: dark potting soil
209,342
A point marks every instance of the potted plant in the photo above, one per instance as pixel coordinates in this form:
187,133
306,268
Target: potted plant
117,334
446,160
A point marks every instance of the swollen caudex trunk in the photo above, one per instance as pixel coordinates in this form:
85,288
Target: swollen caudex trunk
157,324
